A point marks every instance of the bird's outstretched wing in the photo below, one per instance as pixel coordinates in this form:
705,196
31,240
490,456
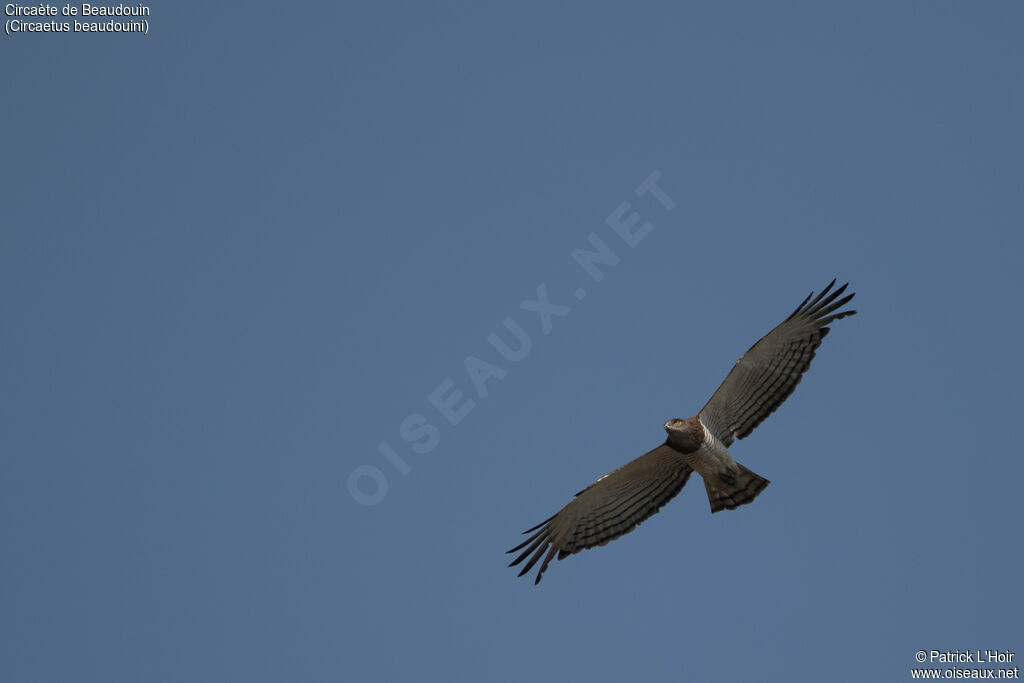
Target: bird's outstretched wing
767,374
610,507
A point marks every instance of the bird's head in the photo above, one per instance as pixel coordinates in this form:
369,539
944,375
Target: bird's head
685,435
673,425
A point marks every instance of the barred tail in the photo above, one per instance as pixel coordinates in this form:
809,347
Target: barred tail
730,491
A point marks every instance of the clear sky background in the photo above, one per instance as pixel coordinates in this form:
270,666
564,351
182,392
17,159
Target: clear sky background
237,253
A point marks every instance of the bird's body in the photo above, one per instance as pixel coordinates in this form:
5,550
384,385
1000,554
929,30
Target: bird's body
728,483
757,385
705,454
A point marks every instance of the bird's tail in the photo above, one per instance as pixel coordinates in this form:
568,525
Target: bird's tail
732,490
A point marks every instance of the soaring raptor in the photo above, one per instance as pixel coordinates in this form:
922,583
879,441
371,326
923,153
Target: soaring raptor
758,384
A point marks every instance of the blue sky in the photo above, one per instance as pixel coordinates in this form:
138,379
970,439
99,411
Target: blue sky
237,254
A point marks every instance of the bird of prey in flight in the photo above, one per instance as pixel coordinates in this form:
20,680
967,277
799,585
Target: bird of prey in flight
756,386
